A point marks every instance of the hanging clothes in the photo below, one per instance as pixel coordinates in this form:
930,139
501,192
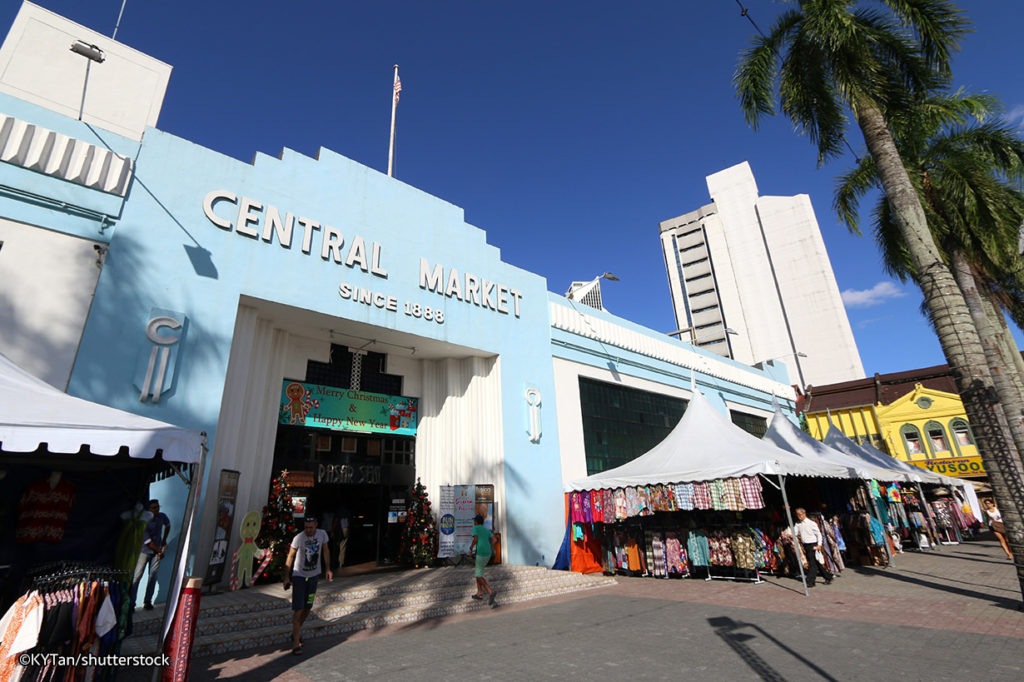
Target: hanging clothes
750,492
701,495
685,496
698,549
597,506
588,510
733,496
608,504
742,546
717,494
576,507
621,505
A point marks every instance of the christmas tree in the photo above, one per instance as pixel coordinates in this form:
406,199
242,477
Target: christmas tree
419,538
278,527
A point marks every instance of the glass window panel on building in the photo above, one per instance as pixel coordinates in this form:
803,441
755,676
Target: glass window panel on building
751,423
961,432
620,424
912,439
936,437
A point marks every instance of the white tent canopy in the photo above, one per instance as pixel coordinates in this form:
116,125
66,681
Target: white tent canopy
837,439
33,413
786,435
705,446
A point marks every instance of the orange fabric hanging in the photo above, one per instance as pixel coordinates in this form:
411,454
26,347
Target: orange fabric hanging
585,554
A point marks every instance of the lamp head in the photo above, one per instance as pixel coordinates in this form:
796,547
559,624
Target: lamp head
90,52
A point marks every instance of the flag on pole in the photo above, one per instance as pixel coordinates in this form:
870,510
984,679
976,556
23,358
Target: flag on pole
398,86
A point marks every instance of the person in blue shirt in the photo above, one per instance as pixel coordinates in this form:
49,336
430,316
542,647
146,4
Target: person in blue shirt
483,544
154,542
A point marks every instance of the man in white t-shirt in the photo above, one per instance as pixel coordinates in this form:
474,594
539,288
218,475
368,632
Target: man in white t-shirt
302,567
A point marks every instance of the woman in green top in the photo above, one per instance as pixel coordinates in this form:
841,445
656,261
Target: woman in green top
483,544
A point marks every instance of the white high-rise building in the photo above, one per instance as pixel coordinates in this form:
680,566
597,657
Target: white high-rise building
751,280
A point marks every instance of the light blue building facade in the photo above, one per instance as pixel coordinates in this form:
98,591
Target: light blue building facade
207,284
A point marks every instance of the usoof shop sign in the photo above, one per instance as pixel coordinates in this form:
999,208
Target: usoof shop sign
954,466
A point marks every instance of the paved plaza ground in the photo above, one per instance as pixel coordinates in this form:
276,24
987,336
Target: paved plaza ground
947,615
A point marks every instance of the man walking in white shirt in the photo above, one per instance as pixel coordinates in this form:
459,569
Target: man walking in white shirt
809,537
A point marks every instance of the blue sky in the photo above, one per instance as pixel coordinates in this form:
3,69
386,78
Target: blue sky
567,131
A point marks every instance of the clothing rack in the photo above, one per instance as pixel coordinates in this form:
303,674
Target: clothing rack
755,580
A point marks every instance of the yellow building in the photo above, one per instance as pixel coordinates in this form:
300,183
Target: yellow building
906,415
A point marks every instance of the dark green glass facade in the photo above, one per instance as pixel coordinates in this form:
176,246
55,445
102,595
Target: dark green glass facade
620,424
751,423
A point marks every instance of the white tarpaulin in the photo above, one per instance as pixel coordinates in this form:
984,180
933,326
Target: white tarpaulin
788,436
705,446
33,413
835,438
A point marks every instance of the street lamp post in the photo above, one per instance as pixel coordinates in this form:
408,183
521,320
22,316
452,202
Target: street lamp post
92,53
796,354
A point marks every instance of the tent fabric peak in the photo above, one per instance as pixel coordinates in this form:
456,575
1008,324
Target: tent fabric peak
33,414
704,446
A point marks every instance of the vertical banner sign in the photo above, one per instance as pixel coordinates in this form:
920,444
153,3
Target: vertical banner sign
446,508
465,509
226,496
485,504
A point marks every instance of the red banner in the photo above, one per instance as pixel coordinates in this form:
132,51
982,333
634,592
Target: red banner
178,646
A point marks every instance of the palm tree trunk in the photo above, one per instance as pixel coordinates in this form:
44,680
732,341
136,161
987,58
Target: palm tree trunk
1008,347
1010,399
954,328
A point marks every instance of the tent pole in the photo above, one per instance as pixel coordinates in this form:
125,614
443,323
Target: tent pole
792,530
885,531
932,528
185,541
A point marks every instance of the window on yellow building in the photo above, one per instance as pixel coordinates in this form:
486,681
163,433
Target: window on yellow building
937,437
961,432
912,439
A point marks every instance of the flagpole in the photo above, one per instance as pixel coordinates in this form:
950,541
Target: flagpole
394,106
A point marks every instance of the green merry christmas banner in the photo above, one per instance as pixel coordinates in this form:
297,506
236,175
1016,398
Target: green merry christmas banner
347,410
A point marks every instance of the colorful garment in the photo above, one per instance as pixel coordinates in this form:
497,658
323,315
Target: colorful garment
632,502
750,492
719,549
588,510
643,498
732,494
597,506
743,550
697,548
701,496
717,494
675,555
684,496
609,506
658,563
576,507
621,505
43,511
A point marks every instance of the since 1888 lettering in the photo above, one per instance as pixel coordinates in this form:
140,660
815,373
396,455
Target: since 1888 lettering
376,299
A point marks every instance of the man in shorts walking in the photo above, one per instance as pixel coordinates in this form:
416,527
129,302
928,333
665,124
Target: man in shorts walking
302,569
483,543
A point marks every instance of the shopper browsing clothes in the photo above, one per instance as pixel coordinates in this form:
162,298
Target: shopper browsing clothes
809,536
995,522
483,544
302,567
154,543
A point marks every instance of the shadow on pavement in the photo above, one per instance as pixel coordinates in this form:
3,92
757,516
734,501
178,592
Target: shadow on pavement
1002,602
728,630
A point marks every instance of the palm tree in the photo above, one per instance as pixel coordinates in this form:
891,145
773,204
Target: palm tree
825,58
966,179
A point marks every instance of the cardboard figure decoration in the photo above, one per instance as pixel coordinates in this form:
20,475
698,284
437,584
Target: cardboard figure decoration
248,551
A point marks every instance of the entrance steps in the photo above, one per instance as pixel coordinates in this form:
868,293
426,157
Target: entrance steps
261,616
